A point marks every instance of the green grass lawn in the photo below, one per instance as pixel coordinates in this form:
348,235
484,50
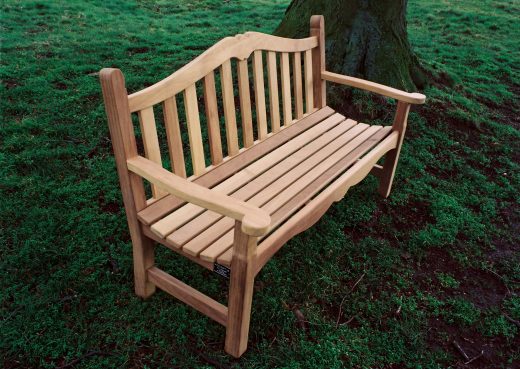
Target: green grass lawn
437,262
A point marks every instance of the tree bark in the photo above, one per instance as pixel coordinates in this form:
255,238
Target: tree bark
364,38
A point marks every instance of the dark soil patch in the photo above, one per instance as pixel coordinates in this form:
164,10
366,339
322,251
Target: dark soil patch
507,112
483,288
60,85
111,207
10,83
496,350
137,50
414,215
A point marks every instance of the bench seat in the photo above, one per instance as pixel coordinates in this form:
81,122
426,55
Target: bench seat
291,168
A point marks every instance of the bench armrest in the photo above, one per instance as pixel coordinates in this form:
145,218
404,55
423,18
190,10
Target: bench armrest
409,97
255,221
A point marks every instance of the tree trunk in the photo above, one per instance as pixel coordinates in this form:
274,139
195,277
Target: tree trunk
364,38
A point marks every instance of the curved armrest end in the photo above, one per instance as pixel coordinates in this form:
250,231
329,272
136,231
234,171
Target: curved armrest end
256,224
417,98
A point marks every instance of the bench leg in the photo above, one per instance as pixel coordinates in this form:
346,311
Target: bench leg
132,189
392,157
144,258
387,174
240,293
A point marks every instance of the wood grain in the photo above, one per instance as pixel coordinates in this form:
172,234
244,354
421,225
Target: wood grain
258,78
297,83
245,103
193,124
228,101
166,205
211,106
286,89
173,136
274,104
308,81
150,142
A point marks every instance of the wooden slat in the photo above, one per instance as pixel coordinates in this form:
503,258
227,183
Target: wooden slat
286,89
272,77
309,95
254,221
258,77
228,101
167,204
245,103
194,133
173,136
210,103
272,203
168,224
298,163
188,295
152,236
150,142
240,47
313,210
297,78
288,186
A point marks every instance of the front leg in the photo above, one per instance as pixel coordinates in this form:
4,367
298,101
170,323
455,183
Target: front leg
240,292
392,157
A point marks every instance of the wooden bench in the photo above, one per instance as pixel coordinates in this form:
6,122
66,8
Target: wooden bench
240,200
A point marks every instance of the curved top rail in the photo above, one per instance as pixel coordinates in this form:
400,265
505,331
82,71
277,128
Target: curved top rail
240,46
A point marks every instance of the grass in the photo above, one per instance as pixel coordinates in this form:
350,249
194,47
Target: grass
439,259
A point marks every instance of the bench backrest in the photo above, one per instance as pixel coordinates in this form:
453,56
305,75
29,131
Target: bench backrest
278,80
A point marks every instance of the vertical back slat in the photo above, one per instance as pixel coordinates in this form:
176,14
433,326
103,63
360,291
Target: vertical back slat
286,89
194,133
173,136
272,78
245,103
150,142
228,100
210,103
309,95
258,77
297,77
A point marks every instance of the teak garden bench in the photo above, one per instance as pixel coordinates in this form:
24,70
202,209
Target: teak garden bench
233,215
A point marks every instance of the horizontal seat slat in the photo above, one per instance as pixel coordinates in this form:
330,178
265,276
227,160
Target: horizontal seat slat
169,203
277,178
285,184
179,237
270,201
307,215
285,212
171,222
